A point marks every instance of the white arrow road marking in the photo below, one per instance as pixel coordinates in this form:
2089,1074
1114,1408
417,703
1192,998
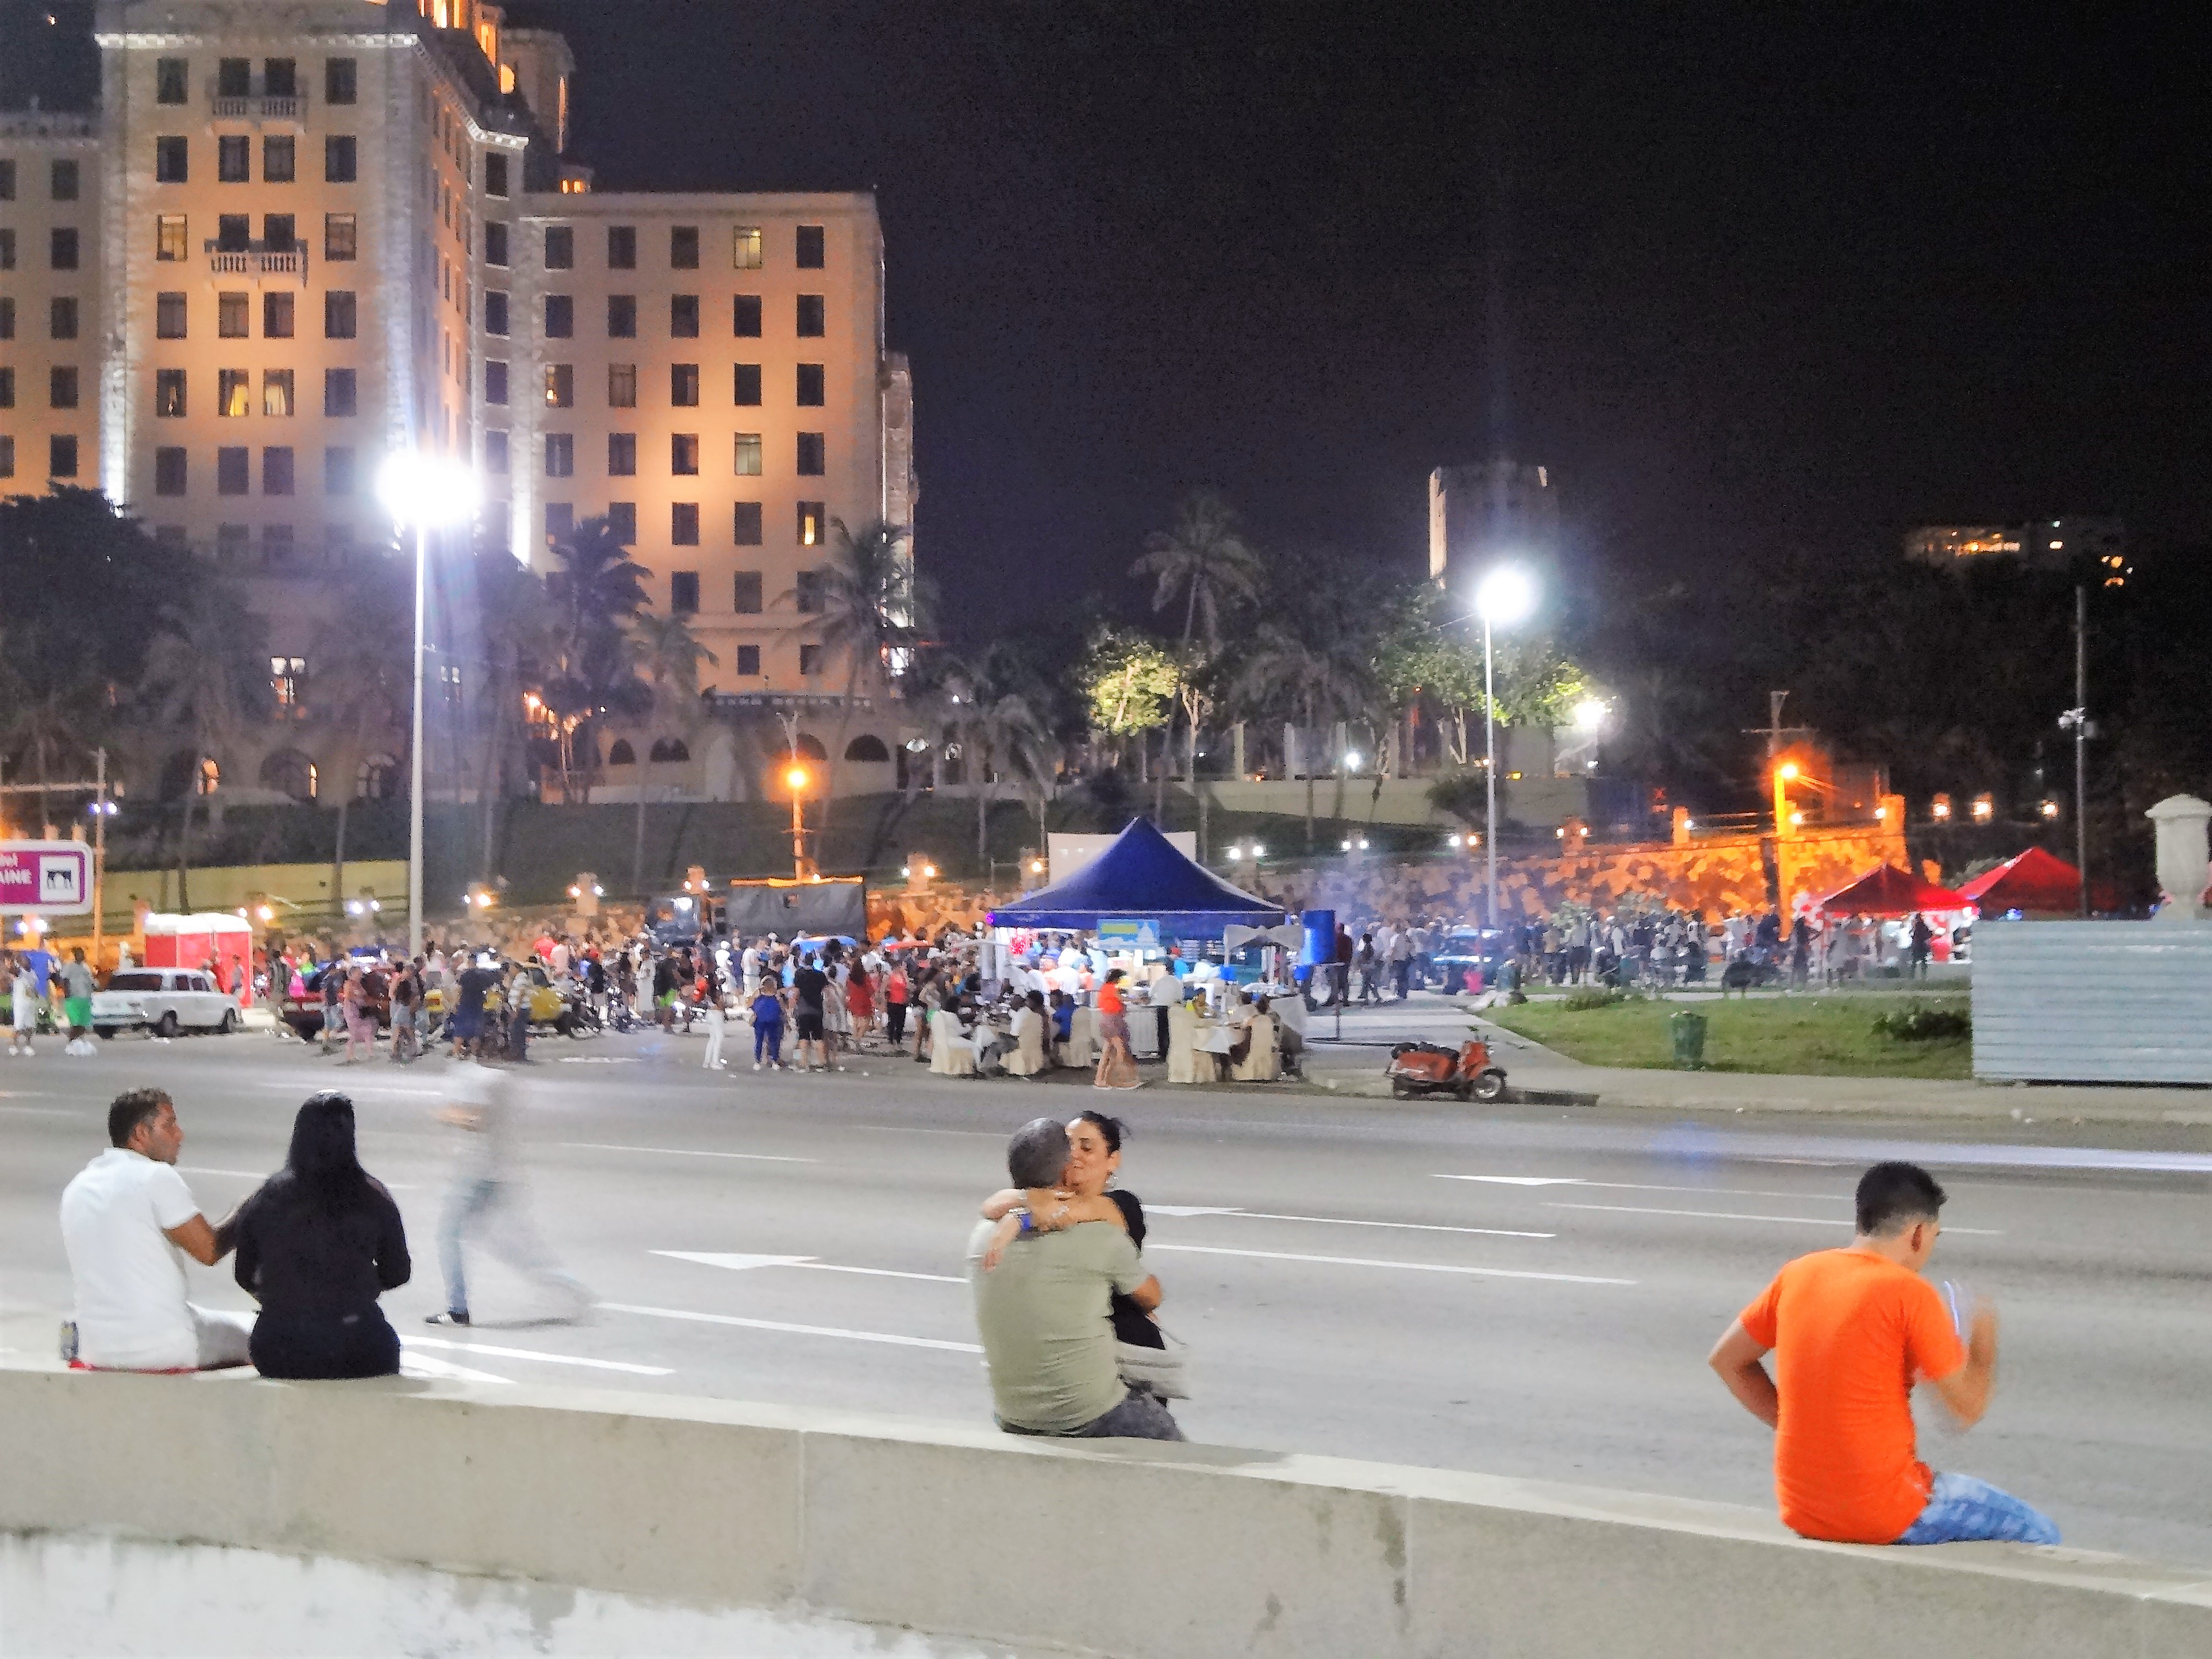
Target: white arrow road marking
530,1353
796,1330
1409,1266
422,1364
684,1151
740,1263
1830,1222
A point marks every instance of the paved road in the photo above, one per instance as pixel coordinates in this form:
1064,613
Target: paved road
1520,1291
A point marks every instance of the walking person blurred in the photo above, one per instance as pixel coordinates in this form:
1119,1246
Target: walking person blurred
487,1199
360,1023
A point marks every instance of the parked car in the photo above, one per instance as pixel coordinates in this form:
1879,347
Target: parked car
304,1013
167,1001
1466,950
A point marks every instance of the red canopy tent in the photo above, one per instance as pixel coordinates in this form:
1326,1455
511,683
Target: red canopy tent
1886,890
2035,883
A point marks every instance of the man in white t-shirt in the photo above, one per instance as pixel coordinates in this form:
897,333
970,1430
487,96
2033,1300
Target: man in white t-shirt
128,1222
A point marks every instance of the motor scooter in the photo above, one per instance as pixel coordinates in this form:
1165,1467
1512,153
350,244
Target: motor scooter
1429,1068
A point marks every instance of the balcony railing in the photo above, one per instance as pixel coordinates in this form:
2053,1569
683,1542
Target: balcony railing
257,262
258,109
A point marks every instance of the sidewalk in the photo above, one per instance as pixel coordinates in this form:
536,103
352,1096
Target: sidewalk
1355,1066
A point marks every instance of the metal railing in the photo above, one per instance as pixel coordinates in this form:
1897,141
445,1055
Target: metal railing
257,262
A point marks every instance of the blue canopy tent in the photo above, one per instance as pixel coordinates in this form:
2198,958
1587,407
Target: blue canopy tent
1141,880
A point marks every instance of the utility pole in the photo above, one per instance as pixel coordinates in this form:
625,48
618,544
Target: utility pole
2081,717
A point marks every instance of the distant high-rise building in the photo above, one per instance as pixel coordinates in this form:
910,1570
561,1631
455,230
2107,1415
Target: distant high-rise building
2049,543
1490,512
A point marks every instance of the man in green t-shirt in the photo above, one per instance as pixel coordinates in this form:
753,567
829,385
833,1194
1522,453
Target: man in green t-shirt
1043,1311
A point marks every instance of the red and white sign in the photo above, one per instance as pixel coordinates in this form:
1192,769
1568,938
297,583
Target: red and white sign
46,878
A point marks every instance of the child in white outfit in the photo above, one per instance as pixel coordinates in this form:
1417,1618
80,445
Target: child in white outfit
26,1012
714,1019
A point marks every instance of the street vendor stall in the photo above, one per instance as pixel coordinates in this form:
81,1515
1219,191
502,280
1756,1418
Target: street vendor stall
219,943
2031,885
1886,890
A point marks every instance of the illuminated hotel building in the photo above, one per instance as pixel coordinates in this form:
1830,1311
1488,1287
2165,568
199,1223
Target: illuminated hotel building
296,235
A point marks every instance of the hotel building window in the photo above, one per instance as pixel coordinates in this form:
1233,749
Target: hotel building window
622,247
61,458
560,317
232,472
622,521
683,248
494,381
233,233
749,661
7,318
276,233
341,159
341,317
341,236
809,592
7,456
172,160
748,455
745,247
234,159
233,78
813,453
560,248
810,380
683,385
746,593
495,452
171,78
61,250
61,387
338,472
63,179
233,321
233,392
278,157
622,454
6,386
339,80
61,319
276,470
745,317
749,529
559,386
279,77
7,249
683,454
169,472
495,312
494,243
341,396
494,175
6,181
622,386
809,250
747,386
276,315
814,523
277,392
168,394
559,522
809,660
684,528
172,244
683,592
231,540
621,316
560,455
811,317
684,317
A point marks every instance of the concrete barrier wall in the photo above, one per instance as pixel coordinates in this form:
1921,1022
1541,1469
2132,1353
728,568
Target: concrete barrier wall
1128,1549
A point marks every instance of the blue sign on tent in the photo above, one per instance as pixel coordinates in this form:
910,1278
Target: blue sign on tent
1136,932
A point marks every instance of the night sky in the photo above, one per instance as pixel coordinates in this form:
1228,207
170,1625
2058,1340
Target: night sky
1743,278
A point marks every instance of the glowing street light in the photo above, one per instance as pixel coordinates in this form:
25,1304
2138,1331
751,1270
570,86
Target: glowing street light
1590,713
1503,597
421,492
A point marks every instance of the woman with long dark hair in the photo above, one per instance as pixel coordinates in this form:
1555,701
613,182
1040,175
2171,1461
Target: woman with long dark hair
316,1245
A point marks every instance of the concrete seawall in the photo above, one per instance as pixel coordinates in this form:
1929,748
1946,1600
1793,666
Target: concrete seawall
1125,1549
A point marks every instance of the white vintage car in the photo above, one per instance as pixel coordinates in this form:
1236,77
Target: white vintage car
164,1001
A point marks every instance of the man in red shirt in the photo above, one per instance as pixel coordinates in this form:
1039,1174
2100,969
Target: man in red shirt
1851,1331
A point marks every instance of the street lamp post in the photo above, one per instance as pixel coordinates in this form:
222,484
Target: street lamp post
1505,596
422,492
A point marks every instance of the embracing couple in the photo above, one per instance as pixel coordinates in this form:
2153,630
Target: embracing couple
1063,1299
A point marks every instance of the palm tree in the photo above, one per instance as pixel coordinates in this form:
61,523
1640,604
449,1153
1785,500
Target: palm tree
207,671
598,590
43,719
873,609
361,667
1002,735
1206,559
1314,664
669,653
513,632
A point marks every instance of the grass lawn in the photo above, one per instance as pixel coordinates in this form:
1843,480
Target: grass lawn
1817,1035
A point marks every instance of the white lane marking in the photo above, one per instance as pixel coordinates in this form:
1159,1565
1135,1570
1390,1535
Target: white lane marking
423,1364
530,1353
796,1330
1406,1226
1409,1266
1648,1187
739,1263
906,1129
41,1111
683,1151
1725,1215
1188,1209
249,1175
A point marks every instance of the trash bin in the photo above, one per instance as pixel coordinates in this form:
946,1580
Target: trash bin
1688,1031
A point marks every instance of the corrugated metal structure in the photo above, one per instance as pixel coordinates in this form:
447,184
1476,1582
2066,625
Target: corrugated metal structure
2092,1002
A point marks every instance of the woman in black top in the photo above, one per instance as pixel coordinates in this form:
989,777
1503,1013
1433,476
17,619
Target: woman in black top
316,1245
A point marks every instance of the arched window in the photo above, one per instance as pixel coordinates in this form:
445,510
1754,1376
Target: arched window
811,747
867,747
287,769
211,778
622,754
378,778
671,748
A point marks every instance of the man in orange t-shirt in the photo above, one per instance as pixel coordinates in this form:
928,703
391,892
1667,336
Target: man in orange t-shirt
1852,1330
